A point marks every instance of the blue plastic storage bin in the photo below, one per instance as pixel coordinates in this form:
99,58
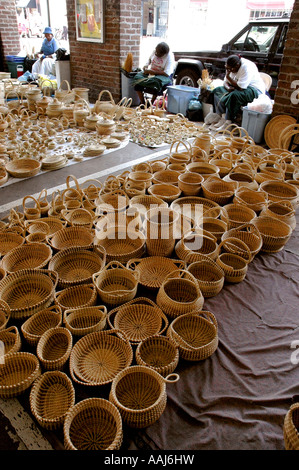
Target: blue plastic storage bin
178,97
254,123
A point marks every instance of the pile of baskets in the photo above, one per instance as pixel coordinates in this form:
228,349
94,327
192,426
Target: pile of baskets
112,289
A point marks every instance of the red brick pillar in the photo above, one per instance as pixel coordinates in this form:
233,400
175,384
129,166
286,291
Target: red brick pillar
9,35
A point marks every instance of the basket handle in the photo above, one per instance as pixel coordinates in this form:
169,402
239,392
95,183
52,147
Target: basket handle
75,181
67,84
230,242
171,378
108,93
33,198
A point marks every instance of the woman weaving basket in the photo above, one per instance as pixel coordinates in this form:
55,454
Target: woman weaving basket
45,65
157,73
241,86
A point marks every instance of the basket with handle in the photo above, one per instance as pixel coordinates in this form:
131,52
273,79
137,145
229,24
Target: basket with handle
85,320
234,264
28,256
108,107
93,424
51,397
66,96
195,334
249,234
97,358
255,200
198,243
217,190
54,348
17,374
36,325
153,269
179,294
281,191
116,284
209,275
176,156
139,393
74,297
283,211
290,428
275,233
43,203
235,215
159,353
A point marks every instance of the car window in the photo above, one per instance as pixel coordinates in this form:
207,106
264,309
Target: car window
256,39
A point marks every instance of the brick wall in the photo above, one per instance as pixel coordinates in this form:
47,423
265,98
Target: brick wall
289,71
9,36
97,65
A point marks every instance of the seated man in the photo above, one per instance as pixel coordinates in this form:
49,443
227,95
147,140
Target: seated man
45,65
157,73
241,86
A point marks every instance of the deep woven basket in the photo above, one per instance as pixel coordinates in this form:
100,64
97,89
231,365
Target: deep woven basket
10,339
199,244
217,190
93,424
17,374
139,393
51,397
291,428
281,191
234,260
36,325
255,200
159,353
235,215
85,320
54,348
275,233
196,207
248,234
209,275
9,241
165,191
195,334
28,256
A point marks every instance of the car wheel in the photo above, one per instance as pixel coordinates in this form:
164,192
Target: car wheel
188,77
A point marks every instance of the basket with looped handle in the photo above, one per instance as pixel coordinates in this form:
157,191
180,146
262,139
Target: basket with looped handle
19,371
235,215
139,393
138,319
159,353
249,234
10,339
195,334
85,320
234,263
36,325
280,191
28,256
76,266
75,297
71,237
215,227
116,284
4,314
54,348
153,269
93,424
217,190
97,358
51,397
282,210
31,212
179,294
209,275
255,200
275,233
199,244
177,156
291,428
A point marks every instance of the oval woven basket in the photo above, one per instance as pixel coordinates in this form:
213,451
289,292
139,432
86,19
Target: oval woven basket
290,428
196,207
159,353
153,269
111,201
218,190
275,233
51,397
139,393
36,325
54,224
28,291
249,234
283,211
234,263
166,177
115,284
121,243
216,227
71,237
255,200
205,169
54,348
195,334
96,358
281,191
85,320
28,256
197,243
235,215
17,374
76,266
179,294
23,167
165,191
4,314
209,275
10,340
9,241
144,202
84,295
93,424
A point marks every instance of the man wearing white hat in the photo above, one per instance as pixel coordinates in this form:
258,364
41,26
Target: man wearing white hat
45,65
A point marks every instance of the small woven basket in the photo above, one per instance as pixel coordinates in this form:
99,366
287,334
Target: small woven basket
255,200
10,339
217,190
28,256
234,264
17,374
10,240
54,348
85,320
281,191
248,234
121,243
84,295
235,215
96,358
291,428
166,177
36,325
4,314
199,244
71,237
165,191
153,269
283,211
93,424
159,353
139,393
275,233
31,212
195,334
144,202
209,275
51,397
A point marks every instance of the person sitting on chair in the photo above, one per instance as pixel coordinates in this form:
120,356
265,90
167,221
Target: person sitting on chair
45,65
157,73
241,86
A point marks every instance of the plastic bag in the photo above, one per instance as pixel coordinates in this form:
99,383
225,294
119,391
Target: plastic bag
262,104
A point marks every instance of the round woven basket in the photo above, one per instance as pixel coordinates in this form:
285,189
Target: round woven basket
160,227
85,320
111,201
166,177
97,358
275,233
53,223
19,371
195,334
283,211
165,191
196,207
205,169
249,234
93,424
235,215
217,190
190,183
290,428
28,291
71,237
234,263
28,256
9,241
215,227
23,167
281,191
139,393
116,284
153,269
209,275
255,200
197,243
179,294
75,297
76,266
54,348
138,319
51,397
144,202
159,353
10,340
36,325
4,314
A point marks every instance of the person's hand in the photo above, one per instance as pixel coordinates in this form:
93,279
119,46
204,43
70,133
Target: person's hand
146,71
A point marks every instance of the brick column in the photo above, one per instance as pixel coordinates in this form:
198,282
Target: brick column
286,98
9,36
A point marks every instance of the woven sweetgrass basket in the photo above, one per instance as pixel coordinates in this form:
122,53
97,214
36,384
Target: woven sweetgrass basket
255,200
54,348
199,244
139,393
84,295
234,260
23,168
275,233
97,358
195,334
209,275
159,353
165,191
291,428
249,235
4,314
153,269
51,397
11,340
36,325
93,424
28,256
71,237
281,191
121,243
85,320
10,240
217,190
17,374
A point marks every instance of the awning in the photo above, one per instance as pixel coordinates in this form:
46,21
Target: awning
264,5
